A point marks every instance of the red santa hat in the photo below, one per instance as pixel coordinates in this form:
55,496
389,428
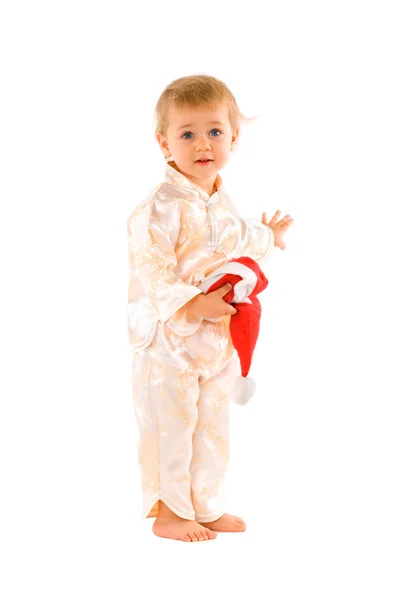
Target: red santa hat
247,280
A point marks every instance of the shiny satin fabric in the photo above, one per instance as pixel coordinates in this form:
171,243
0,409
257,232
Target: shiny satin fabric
181,388
176,237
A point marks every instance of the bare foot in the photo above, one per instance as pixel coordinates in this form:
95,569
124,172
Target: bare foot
169,525
226,523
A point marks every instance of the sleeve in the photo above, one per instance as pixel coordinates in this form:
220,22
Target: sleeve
257,240
152,239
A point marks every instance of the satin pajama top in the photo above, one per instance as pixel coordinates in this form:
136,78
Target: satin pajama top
176,237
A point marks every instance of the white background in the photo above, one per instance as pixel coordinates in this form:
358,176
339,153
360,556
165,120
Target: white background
314,465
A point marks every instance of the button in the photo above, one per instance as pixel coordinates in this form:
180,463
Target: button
198,277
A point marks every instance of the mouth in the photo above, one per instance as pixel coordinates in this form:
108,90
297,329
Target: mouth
203,162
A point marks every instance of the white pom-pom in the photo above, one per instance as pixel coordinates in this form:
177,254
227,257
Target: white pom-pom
243,389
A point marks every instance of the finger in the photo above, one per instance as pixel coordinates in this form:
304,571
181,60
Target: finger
286,222
264,218
284,228
275,217
225,289
229,309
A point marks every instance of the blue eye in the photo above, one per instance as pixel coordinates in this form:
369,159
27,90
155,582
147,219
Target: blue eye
190,133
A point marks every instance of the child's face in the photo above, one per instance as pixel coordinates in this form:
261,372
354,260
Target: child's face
199,132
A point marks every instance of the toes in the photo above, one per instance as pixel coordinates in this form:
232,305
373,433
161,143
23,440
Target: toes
240,523
211,534
185,538
203,532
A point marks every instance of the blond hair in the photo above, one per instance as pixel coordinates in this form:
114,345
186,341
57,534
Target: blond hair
194,91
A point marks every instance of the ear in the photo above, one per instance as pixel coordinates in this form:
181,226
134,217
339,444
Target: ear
162,141
235,135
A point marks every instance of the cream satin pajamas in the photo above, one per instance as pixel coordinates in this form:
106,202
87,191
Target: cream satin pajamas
183,366
181,394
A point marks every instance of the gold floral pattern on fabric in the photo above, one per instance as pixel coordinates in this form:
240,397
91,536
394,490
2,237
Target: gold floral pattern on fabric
175,236
148,458
182,413
183,366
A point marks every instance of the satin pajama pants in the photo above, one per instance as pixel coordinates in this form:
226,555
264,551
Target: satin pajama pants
181,393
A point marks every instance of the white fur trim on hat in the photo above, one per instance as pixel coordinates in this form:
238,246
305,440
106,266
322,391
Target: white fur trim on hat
242,289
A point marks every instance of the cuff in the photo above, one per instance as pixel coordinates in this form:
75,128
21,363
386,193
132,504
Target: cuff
179,302
266,244
183,323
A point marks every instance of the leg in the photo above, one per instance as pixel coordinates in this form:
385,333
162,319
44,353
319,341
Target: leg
211,444
165,393
165,396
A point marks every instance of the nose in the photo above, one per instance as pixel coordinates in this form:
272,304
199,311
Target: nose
203,143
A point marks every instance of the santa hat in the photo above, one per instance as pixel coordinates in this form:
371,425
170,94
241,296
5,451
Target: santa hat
247,280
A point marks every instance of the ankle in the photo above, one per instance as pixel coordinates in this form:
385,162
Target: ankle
164,512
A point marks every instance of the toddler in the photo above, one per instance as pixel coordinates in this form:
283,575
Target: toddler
183,359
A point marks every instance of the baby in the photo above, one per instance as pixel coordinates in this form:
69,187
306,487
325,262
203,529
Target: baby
183,359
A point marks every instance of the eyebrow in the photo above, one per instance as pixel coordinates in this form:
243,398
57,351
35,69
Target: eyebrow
210,123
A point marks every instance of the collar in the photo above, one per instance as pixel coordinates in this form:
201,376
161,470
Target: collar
174,177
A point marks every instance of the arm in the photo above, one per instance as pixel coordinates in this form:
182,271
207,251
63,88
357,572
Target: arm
152,233
257,240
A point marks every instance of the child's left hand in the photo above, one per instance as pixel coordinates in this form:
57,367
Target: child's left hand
278,227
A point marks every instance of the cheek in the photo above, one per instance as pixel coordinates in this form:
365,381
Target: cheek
182,150
181,145
223,145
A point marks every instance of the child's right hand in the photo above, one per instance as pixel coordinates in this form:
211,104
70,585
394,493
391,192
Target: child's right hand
212,304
